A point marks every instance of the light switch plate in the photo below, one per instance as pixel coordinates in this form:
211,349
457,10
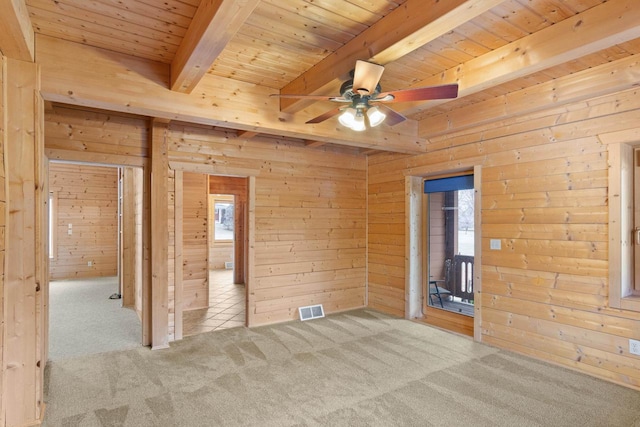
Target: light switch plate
495,244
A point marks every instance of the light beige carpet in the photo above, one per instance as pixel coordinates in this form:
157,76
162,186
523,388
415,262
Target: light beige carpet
359,368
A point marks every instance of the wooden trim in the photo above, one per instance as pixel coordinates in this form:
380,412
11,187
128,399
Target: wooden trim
178,272
159,236
41,249
97,159
4,217
414,257
251,253
213,169
146,256
477,253
620,175
457,168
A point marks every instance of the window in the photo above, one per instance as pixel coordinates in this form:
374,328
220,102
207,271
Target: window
450,237
624,226
53,224
223,218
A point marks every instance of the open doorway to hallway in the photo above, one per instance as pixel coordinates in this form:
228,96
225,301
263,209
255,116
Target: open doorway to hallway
226,204
95,220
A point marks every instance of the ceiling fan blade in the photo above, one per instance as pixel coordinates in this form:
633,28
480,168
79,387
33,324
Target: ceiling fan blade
393,117
325,116
422,93
316,97
366,77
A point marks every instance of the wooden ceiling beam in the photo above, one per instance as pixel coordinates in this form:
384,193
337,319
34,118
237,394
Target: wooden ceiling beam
245,134
77,74
598,28
16,32
604,79
213,26
312,143
408,27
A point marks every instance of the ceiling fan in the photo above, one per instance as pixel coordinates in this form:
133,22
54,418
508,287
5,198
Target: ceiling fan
364,98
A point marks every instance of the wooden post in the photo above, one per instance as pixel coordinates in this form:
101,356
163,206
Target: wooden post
24,332
159,236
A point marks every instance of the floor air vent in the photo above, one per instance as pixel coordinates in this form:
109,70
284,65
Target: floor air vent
311,312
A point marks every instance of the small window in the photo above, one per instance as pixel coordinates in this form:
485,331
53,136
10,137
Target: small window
624,226
53,224
224,218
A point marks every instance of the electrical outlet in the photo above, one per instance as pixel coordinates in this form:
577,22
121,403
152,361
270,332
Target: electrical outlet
89,263
634,347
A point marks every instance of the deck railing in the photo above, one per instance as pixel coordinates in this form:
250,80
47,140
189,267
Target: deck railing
462,286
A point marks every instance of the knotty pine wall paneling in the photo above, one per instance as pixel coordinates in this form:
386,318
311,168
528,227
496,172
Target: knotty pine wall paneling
87,221
544,196
195,249
310,217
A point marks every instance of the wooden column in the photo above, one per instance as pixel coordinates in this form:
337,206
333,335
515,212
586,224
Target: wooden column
23,309
159,236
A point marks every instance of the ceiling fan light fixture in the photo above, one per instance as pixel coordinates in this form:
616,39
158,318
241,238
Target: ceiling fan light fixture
358,122
375,116
347,118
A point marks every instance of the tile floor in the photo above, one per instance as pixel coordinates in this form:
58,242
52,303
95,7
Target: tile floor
226,306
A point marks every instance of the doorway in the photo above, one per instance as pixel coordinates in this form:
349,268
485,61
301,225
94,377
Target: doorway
87,221
449,235
223,304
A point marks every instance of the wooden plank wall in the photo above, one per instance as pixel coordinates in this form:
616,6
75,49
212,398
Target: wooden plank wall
310,218
544,195
95,137
195,255
87,200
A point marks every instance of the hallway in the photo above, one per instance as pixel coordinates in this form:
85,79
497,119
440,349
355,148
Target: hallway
226,306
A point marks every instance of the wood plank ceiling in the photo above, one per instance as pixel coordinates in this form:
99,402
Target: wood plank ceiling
281,41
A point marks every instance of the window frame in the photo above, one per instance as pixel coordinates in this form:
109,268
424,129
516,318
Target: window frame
623,293
221,198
